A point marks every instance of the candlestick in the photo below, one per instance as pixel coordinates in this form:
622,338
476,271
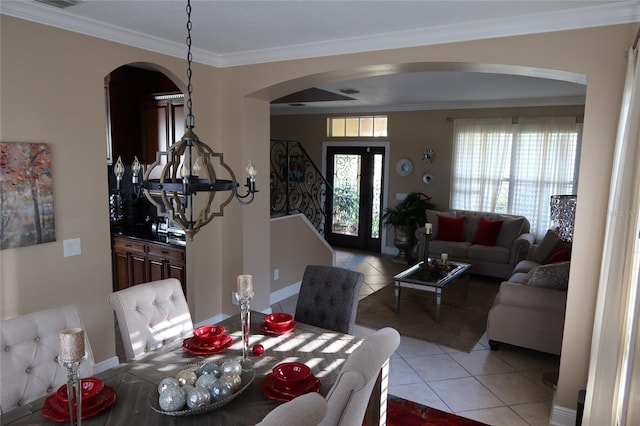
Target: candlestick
444,257
71,354
244,295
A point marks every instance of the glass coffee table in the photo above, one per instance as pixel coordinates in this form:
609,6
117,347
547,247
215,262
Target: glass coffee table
431,276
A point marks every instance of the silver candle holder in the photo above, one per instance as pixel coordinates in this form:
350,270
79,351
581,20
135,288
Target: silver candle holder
244,295
72,353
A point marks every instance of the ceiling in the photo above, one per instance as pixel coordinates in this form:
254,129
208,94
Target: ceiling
239,32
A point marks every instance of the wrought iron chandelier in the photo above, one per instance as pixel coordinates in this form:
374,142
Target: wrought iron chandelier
186,169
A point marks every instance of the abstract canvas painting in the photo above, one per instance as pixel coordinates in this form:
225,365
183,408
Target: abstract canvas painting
26,195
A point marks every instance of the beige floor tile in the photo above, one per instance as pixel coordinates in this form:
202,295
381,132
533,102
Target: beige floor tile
465,394
437,367
526,359
536,413
420,393
499,416
401,373
513,388
481,362
411,348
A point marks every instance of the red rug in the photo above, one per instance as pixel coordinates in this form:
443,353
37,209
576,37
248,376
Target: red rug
401,412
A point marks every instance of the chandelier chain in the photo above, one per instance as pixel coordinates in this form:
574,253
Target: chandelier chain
190,119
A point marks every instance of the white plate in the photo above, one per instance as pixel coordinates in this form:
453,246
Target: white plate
404,167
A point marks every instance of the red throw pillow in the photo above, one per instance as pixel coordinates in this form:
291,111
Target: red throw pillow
450,228
560,256
487,232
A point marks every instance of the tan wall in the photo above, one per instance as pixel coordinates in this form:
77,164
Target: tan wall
297,245
51,84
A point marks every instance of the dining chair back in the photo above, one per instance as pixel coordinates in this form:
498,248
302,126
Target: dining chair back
348,398
305,410
29,358
328,297
151,315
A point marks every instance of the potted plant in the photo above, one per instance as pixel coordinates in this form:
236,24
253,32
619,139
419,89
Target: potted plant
406,217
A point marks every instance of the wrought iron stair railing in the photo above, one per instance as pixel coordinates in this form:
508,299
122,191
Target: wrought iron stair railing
297,184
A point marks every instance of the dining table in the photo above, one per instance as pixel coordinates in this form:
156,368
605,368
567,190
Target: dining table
135,382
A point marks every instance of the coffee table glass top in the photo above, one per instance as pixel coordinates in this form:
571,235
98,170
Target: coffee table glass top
433,273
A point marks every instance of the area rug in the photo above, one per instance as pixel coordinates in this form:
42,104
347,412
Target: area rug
401,412
462,321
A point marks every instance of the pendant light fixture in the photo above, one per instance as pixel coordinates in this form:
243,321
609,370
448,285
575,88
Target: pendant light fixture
177,175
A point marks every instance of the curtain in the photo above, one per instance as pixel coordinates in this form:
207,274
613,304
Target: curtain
544,164
481,155
611,390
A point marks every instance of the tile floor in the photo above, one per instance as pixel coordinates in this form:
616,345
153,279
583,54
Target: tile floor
506,387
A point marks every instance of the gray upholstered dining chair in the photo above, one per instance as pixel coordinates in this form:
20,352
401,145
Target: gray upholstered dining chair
306,410
29,357
151,315
348,398
328,297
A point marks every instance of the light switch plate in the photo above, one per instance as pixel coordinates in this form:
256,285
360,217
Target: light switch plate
72,247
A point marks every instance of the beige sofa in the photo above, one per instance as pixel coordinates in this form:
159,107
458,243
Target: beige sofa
498,260
530,307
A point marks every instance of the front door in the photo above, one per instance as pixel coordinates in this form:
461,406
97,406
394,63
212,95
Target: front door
356,176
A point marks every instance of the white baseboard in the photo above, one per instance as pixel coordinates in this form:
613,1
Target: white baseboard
106,364
561,416
285,293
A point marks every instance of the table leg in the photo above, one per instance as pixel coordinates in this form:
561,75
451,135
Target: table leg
438,303
397,288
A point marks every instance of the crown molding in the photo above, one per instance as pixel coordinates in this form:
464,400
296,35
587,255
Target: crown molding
600,15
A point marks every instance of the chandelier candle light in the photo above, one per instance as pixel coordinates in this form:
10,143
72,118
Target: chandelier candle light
245,294
71,354
187,169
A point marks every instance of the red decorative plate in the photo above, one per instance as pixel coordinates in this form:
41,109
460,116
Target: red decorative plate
204,344
265,329
56,410
269,387
197,350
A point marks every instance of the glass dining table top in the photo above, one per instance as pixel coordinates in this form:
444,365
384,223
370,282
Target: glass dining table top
322,350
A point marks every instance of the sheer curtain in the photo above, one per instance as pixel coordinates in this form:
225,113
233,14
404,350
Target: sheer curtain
481,156
544,164
612,389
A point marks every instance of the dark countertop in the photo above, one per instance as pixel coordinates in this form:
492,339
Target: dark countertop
167,239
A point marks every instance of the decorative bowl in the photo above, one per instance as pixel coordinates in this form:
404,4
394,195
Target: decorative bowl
209,333
291,374
278,320
91,388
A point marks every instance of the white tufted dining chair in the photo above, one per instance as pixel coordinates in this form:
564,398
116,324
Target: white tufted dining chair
306,410
151,315
348,398
30,345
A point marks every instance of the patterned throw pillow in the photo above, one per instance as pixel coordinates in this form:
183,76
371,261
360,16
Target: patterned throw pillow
554,275
487,232
450,228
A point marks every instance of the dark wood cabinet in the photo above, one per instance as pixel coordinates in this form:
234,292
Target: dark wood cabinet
138,261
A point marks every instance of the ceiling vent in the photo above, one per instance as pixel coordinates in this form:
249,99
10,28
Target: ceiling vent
60,3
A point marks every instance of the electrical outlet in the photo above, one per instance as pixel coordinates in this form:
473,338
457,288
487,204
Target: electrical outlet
276,274
401,195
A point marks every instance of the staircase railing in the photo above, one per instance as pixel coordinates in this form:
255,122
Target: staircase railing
297,184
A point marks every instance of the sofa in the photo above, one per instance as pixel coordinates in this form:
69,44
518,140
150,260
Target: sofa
493,243
529,308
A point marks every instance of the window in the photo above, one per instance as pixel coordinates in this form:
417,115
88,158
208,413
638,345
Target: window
371,126
514,168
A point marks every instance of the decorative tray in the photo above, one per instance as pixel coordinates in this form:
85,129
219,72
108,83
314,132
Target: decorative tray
247,377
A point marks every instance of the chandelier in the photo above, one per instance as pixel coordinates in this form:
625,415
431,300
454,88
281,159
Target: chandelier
177,175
